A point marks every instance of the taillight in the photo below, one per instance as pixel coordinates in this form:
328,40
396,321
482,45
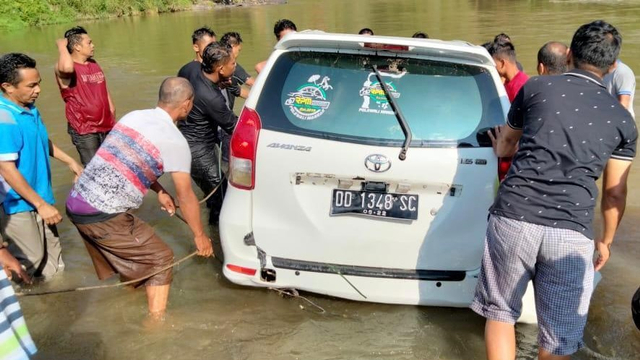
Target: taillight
503,167
241,270
244,143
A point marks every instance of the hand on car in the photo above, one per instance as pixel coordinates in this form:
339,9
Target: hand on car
495,138
498,138
204,246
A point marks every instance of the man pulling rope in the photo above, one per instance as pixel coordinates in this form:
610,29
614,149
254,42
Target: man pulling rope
141,147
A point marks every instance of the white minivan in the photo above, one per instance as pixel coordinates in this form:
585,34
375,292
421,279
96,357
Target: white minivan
360,168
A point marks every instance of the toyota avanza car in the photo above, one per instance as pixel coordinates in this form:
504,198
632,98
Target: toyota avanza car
361,168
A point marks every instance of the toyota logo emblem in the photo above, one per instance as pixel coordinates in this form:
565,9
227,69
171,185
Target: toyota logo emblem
377,163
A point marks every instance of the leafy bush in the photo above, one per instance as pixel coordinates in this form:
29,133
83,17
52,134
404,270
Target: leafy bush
20,13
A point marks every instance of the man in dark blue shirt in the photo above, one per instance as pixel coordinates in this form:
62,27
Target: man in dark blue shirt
563,132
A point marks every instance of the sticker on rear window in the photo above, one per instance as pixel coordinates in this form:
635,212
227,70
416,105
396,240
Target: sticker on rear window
373,97
309,101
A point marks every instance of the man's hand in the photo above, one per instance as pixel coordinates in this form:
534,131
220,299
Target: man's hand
12,265
166,202
604,251
499,134
203,244
223,84
76,169
62,43
49,214
505,140
494,140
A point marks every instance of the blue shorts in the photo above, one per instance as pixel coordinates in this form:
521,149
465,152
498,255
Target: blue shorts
560,264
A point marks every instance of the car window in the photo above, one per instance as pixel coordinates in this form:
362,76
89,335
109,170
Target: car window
337,96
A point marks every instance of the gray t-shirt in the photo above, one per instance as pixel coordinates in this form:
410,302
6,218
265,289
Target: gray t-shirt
622,81
141,147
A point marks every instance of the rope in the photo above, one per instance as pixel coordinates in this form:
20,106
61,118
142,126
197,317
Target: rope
210,194
85,288
294,293
345,279
109,285
594,355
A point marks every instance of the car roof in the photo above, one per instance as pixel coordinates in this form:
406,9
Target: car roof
315,39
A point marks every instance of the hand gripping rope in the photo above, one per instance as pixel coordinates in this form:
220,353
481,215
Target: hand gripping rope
130,282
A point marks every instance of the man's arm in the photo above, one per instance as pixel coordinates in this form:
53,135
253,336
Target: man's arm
242,76
111,106
625,100
12,176
505,141
624,84
506,137
260,66
614,200
62,156
64,67
217,111
191,212
244,92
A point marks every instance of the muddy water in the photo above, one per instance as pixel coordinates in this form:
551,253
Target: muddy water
212,319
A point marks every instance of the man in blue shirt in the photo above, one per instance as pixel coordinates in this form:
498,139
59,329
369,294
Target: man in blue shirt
29,223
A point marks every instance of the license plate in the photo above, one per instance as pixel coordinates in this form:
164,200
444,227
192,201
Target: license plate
386,205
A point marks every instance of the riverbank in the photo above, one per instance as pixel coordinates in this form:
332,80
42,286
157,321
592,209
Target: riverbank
19,14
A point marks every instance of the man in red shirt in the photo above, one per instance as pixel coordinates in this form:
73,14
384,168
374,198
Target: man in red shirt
504,55
88,105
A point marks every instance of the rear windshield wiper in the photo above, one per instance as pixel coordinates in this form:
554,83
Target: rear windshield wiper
396,111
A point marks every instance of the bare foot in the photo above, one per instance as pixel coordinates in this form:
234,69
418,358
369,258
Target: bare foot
154,320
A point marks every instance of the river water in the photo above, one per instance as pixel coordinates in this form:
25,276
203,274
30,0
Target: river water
209,318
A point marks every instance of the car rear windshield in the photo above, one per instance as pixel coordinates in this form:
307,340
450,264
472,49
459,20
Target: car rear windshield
338,97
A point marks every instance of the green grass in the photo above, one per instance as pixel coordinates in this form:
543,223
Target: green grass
15,14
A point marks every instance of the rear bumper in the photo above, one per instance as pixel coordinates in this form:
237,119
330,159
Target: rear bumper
389,289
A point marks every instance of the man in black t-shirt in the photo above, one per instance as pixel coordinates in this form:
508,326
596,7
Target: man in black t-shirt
240,76
563,132
211,110
200,39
